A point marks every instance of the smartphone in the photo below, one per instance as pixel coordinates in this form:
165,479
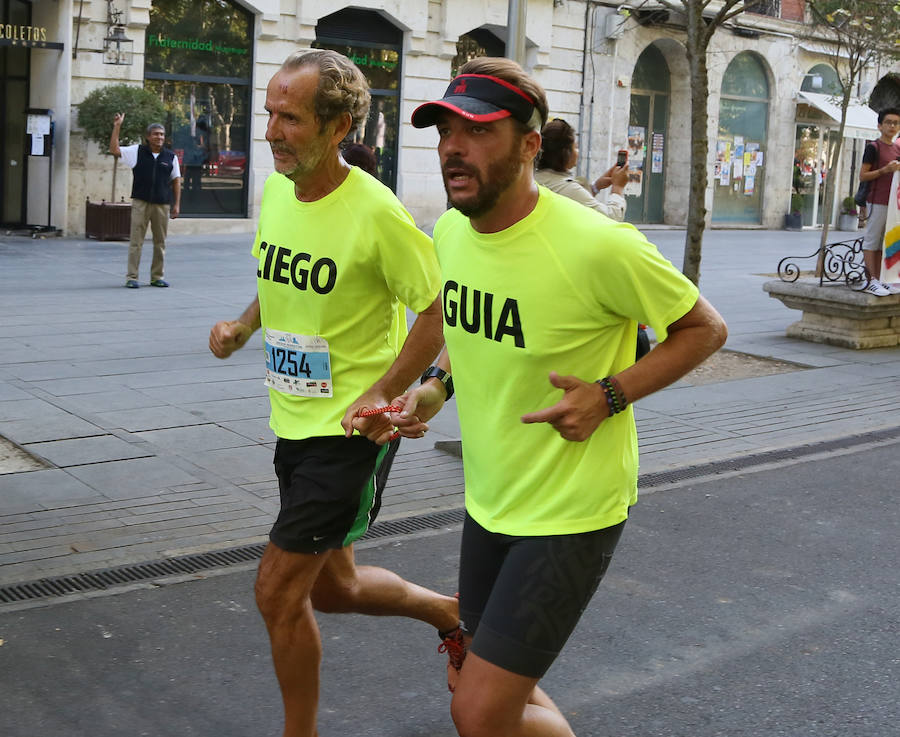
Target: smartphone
622,158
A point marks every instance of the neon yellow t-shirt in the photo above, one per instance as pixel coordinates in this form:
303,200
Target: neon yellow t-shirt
561,290
340,268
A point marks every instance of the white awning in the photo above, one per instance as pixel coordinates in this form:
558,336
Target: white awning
862,121
822,49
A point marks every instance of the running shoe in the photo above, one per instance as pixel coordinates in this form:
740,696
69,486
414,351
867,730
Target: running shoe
876,288
454,645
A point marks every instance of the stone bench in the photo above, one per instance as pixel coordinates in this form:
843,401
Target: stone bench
838,315
834,310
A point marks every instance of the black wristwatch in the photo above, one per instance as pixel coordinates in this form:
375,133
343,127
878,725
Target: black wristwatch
444,377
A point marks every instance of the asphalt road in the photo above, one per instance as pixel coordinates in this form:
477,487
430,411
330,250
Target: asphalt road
761,604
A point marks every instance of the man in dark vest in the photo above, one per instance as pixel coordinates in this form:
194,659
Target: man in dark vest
157,176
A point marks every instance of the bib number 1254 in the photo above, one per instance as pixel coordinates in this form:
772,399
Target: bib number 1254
298,364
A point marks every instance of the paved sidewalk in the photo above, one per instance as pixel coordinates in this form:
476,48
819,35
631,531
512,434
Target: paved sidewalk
155,448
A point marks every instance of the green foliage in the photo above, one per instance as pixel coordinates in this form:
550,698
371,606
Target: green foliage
848,206
199,37
796,203
141,107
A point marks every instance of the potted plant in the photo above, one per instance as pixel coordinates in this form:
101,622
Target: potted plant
849,217
793,220
112,220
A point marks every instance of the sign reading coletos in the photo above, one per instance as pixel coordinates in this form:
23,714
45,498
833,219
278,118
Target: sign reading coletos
191,44
9,32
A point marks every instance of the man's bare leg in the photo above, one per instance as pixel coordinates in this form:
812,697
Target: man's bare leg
342,586
491,701
283,586
872,260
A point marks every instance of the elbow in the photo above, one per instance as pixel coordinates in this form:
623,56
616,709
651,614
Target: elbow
719,334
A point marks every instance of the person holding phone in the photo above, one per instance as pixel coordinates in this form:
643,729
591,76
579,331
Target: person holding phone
558,156
879,164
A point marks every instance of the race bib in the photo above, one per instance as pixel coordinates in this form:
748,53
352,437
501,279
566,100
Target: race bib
298,364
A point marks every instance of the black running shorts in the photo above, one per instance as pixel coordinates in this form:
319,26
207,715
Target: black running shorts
521,597
330,490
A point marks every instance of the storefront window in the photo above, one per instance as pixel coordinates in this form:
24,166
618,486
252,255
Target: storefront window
741,145
814,149
198,60
372,43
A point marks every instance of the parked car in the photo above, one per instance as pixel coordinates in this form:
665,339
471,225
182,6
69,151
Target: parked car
230,162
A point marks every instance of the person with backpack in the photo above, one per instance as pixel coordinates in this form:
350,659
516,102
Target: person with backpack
880,161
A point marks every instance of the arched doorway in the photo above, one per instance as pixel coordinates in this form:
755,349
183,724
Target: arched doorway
374,44
647,136
741,144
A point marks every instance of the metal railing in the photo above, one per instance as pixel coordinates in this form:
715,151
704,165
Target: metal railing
842,261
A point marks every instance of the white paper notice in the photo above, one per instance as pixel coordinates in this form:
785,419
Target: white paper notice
37,144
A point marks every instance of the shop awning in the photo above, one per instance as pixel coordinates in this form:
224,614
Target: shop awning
862,122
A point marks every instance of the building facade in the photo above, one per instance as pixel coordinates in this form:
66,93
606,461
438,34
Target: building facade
622,82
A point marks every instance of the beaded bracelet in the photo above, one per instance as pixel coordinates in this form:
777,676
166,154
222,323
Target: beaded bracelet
615,397
618,387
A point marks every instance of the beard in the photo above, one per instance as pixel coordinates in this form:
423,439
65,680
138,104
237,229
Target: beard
306,161
500,175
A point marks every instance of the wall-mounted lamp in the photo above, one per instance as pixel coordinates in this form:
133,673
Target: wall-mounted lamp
117,49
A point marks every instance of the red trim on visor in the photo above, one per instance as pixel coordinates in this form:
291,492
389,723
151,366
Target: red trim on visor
482,118
506,84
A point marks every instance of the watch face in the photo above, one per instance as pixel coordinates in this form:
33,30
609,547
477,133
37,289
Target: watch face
439,373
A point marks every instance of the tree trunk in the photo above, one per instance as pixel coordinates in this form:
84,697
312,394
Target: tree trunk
831,182
112,197
696,220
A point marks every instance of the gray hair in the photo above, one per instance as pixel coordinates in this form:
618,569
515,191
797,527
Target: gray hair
342,87
152,127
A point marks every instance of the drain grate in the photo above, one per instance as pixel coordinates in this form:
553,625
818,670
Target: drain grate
187,564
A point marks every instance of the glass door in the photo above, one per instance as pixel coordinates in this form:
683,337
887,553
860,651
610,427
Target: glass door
14,72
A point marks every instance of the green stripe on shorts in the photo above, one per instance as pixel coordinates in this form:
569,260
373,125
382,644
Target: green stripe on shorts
367,500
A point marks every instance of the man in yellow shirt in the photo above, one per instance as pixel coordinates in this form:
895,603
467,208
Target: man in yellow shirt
338,257
541,298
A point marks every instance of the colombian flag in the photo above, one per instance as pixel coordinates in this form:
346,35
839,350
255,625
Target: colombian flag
890,268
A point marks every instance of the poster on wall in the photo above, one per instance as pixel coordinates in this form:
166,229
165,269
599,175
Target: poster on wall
723,150
749,184
722,171
890,268
754,153
656,153
737,166
637,135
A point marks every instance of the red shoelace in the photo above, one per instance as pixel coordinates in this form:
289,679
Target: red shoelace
380,411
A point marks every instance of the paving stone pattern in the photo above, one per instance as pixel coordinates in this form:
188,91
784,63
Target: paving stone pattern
152,447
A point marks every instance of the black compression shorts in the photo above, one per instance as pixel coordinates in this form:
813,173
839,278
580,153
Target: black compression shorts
521,597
